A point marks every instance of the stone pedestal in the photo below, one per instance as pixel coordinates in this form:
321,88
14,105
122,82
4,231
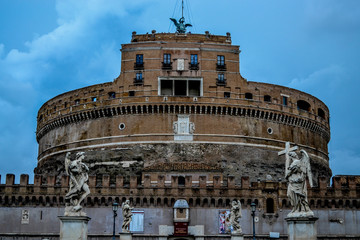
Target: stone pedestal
237,236
302,228
125,236
73,227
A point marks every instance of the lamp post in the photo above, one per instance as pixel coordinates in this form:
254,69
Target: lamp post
253,209
115,206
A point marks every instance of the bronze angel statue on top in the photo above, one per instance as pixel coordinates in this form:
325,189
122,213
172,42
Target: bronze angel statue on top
181,25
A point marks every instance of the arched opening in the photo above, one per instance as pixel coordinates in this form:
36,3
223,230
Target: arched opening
303,105
321,113
248,96
267,98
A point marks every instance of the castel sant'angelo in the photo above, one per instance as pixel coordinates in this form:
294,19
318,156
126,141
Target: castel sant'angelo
180,122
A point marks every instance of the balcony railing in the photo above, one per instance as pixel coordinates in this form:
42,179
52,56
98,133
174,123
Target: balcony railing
221,67
167,66
138,81
138,66
194,66
221,82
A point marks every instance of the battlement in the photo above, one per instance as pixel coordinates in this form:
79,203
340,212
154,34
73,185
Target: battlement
181,37
200,191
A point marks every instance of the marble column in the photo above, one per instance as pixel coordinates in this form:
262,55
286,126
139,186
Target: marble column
302,228
73,227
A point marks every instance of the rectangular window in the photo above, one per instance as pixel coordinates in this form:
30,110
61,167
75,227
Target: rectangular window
139,59
194,59
112,95
93,99
139,76
221,77
285,101
181,87
167,58
221,60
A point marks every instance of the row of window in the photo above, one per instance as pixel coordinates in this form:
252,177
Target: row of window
167,64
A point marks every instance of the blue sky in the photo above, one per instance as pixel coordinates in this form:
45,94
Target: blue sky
48,47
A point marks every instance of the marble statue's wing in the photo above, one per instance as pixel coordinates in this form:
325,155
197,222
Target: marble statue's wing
67,164
305,166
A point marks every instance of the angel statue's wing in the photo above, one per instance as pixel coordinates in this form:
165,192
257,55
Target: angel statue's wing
188,25
306,167
174,21
67,163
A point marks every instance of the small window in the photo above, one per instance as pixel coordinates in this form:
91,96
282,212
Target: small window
194,58
248,96
167,58
181,181
285,101
194,64
139,63
139,76
270,205
112,95
131,93
93,99
226,94
77,101
303,105
139,59
321,113
220,60
267,98
221,79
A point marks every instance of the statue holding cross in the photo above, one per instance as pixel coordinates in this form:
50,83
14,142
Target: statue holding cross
297,170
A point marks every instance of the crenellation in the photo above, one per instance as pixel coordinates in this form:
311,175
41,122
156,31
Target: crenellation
10,179
24,179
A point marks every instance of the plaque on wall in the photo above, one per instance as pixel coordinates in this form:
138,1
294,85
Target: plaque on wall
180,228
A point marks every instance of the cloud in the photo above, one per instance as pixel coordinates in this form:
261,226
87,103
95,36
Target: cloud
328,16
324,81
345,160
82,50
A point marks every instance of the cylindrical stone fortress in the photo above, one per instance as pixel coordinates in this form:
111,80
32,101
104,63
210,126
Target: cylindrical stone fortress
181,98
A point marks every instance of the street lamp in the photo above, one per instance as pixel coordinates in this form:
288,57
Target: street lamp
115,207
253,209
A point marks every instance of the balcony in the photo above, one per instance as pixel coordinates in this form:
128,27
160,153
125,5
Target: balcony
138,81
221,67
221,82
194,66
138,66
166,66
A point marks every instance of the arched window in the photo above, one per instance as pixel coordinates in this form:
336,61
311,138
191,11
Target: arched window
303,105
321,113
267,98
248,96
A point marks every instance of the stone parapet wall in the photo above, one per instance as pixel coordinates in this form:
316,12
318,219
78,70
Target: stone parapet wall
199,192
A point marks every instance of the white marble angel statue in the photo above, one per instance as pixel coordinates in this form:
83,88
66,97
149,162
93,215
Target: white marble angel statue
297,170
235,214
127,216
78,189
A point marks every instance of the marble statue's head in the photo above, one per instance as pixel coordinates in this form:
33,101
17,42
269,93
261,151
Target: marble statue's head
80,155
293,154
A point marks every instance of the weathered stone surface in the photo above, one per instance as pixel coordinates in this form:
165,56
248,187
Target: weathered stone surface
235,160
